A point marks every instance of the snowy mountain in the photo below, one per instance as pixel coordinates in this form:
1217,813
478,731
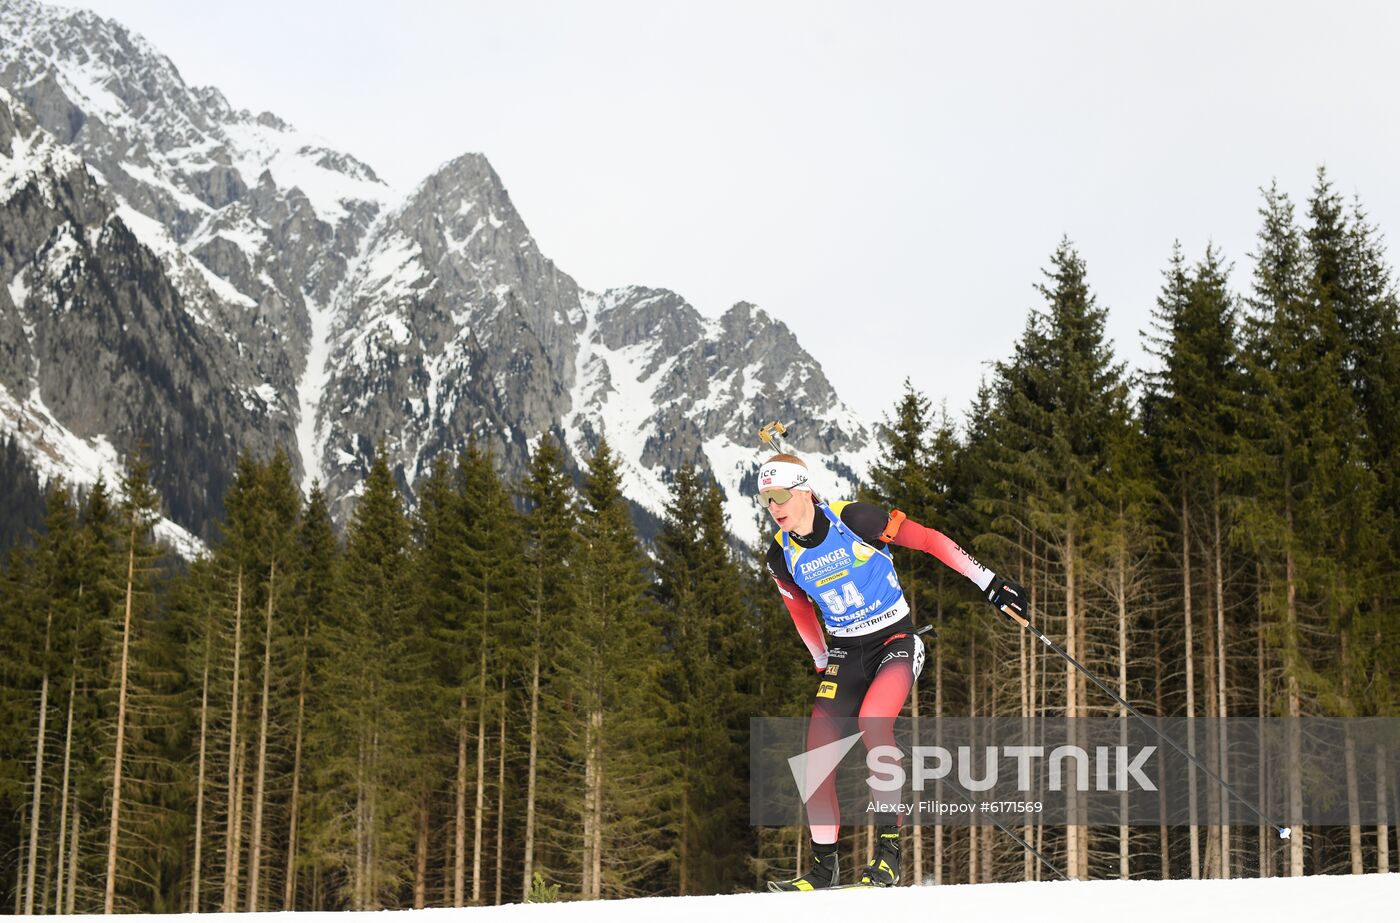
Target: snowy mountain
279,293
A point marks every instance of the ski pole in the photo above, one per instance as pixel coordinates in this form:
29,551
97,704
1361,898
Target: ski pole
929,630
1283,832
1004,829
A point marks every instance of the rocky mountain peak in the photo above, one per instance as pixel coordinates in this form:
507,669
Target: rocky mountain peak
279,293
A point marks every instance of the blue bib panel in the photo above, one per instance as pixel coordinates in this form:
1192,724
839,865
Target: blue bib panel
854,584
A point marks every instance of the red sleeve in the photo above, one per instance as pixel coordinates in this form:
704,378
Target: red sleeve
804,616
922,538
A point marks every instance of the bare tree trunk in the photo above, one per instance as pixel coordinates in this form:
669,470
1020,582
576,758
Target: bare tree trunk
372,825
260,777
110,897
38,772
987,855
448,861
46,887
73,863
1382,812
1081,697
1042,709
972,839
1030,867
1163,843
1222,689
1266,858
197,871
1295,693
1073,832
1353,805
501,795
480,774
1349,763
294,809
801,841
1124,865
233,833
1210,866
359,878
534,757
988,873
590,792
938,732
63,796
598,804
420,879
1190,681
238,808
459,864
917,828
683,846
529,871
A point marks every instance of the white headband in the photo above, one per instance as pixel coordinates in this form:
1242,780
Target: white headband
775,474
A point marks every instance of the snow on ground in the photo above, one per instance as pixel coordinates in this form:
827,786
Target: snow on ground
1337,897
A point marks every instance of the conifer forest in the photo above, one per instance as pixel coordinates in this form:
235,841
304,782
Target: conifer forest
503,692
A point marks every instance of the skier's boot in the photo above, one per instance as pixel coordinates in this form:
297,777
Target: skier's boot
825,873
883,870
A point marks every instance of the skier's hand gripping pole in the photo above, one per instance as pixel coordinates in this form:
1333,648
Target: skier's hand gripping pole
1010,597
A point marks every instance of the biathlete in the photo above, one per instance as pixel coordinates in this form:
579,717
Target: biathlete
833,559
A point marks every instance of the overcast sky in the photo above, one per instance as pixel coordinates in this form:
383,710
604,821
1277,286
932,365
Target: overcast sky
887,179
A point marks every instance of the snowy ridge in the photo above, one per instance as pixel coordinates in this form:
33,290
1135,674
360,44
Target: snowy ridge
57,453
674,369
32,155
188,273
106,72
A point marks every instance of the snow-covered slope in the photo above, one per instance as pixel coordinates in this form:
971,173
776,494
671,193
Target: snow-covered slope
1354,899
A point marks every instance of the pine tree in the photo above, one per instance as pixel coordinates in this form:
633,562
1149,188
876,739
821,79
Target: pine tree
906,478
683,668
316,593
1060,403
365,819
1190,408
551,597
1299,455
438,620
612,646
278,507
139,511
489,580
710,686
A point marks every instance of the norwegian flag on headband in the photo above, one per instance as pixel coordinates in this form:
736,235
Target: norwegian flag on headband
781,474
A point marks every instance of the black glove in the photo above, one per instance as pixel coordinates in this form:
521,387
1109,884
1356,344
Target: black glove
1008,596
